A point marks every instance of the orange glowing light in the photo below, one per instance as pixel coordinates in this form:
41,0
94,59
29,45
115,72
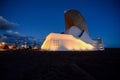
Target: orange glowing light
63,42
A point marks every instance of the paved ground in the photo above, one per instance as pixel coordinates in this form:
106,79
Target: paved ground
40,65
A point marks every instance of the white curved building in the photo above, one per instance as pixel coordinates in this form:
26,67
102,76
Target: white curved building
76,37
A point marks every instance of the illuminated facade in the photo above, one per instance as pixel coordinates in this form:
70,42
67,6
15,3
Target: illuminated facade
76,37
63,42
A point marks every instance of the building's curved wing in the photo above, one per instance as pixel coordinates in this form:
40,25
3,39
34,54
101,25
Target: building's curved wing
75,18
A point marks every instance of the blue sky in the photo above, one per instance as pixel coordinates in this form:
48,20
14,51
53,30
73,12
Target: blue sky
40,17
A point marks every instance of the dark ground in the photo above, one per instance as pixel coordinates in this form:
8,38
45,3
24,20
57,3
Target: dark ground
41,65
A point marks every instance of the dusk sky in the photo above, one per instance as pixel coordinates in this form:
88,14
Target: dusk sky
38,18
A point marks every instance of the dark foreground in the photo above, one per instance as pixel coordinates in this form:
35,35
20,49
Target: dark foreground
36,65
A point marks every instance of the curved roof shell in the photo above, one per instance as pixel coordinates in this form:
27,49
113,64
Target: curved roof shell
75,18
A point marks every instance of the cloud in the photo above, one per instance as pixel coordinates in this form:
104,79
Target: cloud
11,37
2,38
6,25
10,33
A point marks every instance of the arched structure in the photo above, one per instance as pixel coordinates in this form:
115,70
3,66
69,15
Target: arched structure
75,18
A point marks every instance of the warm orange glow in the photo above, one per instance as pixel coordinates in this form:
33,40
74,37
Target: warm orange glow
63,42
10,47
2,45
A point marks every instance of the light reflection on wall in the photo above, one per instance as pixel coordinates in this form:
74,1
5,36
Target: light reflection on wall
63,42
